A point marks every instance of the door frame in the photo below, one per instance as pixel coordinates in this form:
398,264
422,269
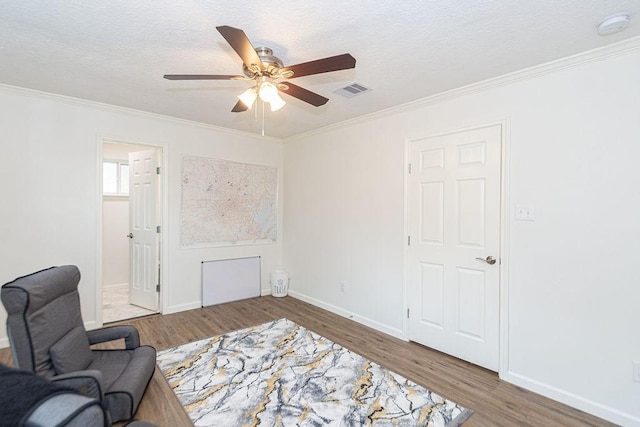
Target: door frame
164,235
503,333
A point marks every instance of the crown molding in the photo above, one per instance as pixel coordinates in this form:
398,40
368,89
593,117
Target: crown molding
599,54
17,90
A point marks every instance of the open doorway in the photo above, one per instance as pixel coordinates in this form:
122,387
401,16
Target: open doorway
131,217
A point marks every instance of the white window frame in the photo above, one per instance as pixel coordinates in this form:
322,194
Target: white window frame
119,164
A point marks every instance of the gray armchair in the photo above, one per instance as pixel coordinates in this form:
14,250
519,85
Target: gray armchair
47,336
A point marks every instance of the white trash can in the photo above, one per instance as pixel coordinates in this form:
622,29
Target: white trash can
279,283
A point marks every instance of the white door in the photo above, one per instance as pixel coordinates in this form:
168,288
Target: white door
144,221
454,225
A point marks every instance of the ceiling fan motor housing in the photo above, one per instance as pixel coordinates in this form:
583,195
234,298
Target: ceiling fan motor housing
271,63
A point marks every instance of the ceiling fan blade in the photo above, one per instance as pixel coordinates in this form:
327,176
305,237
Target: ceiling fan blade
241,44
202,77
303,94
325,65
239,107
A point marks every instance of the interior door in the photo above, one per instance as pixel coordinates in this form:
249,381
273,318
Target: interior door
454,249
144,221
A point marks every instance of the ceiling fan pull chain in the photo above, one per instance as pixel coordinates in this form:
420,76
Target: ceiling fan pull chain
255,113
263,118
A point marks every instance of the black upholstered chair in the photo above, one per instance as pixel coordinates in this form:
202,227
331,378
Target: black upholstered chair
47,336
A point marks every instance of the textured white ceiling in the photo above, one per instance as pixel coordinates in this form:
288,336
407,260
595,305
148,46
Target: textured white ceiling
117,51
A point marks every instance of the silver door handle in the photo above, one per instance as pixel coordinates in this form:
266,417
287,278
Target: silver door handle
130,235
489,260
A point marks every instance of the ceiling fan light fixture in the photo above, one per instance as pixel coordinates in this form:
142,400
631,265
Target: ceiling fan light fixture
277,103
248,97
268,91
265,69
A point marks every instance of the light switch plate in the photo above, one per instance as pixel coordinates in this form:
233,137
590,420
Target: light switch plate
525,213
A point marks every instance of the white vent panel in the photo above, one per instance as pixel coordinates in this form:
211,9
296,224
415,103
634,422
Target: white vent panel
352,90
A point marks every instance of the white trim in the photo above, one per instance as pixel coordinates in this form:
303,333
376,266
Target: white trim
265,292
182,307
163,148
503,341
4,342
92,325
99,241
117,109
505,218
573,400
599,54
164,235
405,244
615,49
397,333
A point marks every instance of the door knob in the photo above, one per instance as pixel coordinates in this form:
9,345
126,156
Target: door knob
489,260
130,235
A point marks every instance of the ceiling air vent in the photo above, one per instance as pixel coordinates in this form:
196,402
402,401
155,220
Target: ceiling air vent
352,90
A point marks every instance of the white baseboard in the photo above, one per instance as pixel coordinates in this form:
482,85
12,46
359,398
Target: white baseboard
115,285
573,400
182,307
4,342
397,333
91,325
264,292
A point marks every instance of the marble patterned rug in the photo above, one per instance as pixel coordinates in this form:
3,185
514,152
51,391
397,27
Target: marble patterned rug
281,374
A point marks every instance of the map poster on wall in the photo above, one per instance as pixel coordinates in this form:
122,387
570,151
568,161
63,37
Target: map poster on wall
226,202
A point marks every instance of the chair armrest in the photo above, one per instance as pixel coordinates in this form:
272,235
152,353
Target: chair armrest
67,409
88,382
111,333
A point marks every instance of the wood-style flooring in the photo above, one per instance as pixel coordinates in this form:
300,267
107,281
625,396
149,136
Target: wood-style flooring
494,402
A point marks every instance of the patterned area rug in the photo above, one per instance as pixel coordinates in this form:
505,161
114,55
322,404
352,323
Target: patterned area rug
281,374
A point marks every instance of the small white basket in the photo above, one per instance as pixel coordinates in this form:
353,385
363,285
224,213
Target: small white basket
279,283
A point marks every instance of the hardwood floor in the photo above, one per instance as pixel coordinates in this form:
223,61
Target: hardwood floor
494,402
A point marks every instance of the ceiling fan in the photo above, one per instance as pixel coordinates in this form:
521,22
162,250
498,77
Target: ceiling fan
269,72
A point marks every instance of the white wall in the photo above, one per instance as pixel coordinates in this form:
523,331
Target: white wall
50,209
115,244
574,139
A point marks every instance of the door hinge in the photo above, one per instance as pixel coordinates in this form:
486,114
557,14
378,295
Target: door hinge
157,228
408,240
158,170
408,311
409,167
158,287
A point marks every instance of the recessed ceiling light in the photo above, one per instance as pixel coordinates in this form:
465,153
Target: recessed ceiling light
614,23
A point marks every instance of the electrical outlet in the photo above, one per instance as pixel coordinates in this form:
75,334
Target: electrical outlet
343,286
525,213
636,371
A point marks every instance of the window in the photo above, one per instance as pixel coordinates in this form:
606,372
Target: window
123,187
115,178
